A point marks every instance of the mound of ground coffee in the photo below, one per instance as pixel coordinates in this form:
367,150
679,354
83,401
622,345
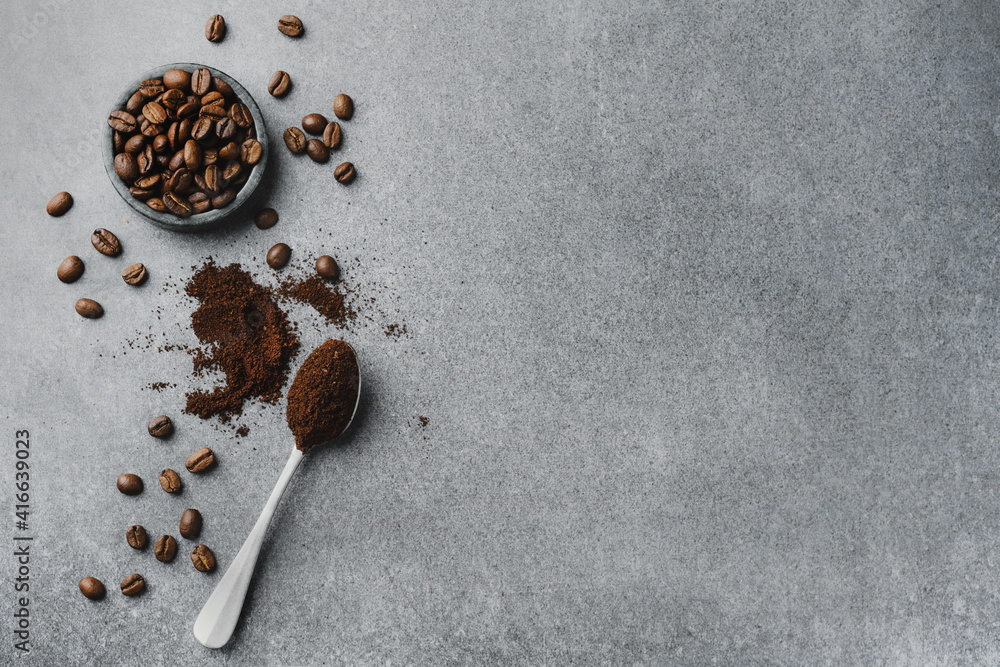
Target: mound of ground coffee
324,394
244,335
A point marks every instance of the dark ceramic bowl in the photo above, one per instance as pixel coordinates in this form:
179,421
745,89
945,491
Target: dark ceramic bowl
198,221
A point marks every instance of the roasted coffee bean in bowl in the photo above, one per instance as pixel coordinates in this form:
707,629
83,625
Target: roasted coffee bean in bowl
185,145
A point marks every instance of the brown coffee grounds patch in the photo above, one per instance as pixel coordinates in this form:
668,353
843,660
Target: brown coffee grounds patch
323,395
331,300
244,335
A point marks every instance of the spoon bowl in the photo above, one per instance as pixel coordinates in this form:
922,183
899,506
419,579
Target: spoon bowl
217,621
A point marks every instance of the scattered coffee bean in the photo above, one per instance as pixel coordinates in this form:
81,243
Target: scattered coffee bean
126,167
59,204
332,136
160,426
129,484
191,524
278,255
279,84
136,537
317,151
70,269
326,266
314,123
266,218
215,29
177,78
343,107
105,242
170,480
203,558
165,549
134,274
92,588
290,25
344,173
200,461
295,140
133,584
89,308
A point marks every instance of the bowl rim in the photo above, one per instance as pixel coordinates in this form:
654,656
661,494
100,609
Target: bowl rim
197,221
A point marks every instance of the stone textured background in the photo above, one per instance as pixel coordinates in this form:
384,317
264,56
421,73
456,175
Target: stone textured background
701,301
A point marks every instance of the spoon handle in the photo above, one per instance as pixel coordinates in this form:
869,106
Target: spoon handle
217,620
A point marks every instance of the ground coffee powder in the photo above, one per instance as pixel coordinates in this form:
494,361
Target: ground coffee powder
324,394
244,335
330,301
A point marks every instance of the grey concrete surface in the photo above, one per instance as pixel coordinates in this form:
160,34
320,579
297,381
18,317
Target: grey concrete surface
702,301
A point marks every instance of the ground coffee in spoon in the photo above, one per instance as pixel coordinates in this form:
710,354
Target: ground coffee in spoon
323,395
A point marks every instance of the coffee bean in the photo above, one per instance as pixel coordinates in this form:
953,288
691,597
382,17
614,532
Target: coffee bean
154,112
213,98
231,171
213,179
126,167
142,194
129,484
178,182
144,160
136,537
149,128
209,156
278,256
176,78
200,202
105,242
203,558
266,218
70,269
160,426
250,151
176,161
317,151
201,81
170,99
192,154
149,182
122,121
344,173
295,140
215,29
216,112
134,274
118,140
223,87
135,144
326,266
151,88
156,204
225,129
343,107
200,461
134,104
170,481
191,523
177,204
229,152
331,135
202,128
165,549
188,109
92,588
133,584
314,123
240,114
59,204
279,84
290,25
89,308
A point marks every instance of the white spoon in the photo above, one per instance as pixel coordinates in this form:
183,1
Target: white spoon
217,620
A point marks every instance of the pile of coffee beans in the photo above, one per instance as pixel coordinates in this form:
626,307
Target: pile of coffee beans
184,143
